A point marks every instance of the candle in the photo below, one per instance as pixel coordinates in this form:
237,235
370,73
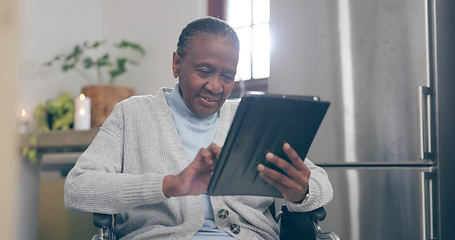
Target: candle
82,113
22,127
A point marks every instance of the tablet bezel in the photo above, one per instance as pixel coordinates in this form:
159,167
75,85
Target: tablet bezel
286,118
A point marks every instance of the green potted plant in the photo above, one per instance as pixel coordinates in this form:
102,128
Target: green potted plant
55,114
100,66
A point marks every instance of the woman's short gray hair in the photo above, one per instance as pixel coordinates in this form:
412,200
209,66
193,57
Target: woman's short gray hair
204,26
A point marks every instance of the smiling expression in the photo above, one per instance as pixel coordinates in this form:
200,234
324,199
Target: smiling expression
206,73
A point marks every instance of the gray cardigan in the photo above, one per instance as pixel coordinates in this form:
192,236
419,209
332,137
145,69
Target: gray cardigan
122,173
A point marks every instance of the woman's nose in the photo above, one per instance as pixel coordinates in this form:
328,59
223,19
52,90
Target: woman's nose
215,84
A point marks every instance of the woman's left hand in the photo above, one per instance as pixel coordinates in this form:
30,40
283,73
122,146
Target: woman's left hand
293,185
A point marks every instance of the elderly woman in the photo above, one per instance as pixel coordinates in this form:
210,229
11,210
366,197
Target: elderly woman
153,158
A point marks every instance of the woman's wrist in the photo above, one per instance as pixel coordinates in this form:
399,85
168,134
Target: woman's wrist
305,198
170,186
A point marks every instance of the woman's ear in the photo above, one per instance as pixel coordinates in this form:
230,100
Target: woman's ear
176,60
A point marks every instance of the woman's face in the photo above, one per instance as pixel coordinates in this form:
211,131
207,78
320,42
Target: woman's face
206,73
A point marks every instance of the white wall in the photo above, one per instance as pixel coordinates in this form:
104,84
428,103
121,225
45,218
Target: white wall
51,27
156,25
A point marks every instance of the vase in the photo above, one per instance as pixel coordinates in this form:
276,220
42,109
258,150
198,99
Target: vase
103,100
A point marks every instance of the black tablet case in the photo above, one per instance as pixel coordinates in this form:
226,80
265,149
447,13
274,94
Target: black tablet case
262,124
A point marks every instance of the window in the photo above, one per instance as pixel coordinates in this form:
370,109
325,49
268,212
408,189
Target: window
250,19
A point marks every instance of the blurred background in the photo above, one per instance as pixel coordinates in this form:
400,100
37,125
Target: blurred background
386,66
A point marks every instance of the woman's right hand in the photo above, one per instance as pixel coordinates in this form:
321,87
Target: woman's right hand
195,178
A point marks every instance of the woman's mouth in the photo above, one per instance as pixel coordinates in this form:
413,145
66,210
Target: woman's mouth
208,101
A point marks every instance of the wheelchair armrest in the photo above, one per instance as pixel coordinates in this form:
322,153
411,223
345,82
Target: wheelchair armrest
102,220
303,225
295,225
318,214
105,223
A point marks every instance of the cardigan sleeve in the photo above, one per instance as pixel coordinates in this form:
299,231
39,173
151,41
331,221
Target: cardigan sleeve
320,190
96,182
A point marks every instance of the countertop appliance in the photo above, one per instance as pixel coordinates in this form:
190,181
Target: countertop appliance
387,140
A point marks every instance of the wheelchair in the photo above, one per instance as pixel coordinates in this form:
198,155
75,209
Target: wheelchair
293,225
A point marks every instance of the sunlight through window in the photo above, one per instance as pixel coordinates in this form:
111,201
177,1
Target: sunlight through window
251,20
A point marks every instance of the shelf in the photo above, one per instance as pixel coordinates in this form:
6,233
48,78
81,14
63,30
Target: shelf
66,139
58,151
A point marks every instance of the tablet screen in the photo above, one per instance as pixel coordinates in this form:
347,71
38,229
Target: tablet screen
262,124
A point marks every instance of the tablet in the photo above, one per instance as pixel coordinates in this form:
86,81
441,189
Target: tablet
263,122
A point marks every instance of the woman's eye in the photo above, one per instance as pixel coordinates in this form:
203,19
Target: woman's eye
228,78
204,72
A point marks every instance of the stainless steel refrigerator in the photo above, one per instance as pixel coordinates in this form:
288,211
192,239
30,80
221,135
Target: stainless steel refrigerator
387,139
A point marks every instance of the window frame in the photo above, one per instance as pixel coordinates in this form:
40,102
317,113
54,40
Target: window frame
218,9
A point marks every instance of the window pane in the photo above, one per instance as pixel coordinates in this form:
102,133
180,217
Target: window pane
250,18
239,13
261,11
244,66
261,51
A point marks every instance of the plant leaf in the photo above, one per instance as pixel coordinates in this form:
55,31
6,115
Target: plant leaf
134,46
88,63
103,61
32,155
33,141
120,68
25,151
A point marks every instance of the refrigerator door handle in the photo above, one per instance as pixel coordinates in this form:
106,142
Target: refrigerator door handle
428,205
425,123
